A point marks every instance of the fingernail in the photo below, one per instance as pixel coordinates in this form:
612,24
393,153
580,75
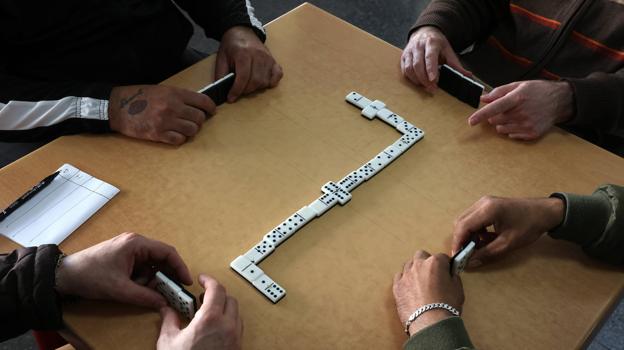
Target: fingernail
471,121
474,263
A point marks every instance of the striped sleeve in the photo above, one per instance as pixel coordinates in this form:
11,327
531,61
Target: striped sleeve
22,121
216,17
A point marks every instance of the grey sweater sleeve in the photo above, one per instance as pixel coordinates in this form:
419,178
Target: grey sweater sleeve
595,222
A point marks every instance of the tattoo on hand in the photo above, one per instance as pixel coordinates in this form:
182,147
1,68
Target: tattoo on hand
135,107
125,101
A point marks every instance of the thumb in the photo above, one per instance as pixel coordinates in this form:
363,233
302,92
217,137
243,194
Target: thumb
132,293
221,67
171,323
453,61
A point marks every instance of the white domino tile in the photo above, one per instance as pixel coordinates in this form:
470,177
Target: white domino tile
307,213
176,297
384,114
358,100
320,207
333,193
254,255
269,288
404,127
240,263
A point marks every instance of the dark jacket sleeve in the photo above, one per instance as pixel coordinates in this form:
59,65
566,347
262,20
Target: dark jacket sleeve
216,17
463,22
25,89
448,334
595,222
27,296
599,101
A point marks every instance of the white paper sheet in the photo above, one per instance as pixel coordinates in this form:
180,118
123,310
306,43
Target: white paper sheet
59,209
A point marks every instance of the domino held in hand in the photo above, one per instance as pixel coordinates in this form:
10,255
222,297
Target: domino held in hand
460,86
460,259
177,297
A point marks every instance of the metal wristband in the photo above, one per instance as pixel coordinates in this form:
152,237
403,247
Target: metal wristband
426,308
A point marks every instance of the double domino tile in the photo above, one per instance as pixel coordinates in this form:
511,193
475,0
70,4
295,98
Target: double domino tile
246,265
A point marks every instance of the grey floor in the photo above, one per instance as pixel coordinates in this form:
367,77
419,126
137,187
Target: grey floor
389,22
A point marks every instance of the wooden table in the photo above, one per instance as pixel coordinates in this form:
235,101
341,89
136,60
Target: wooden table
264,157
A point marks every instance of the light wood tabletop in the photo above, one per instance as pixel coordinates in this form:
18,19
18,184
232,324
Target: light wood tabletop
261,159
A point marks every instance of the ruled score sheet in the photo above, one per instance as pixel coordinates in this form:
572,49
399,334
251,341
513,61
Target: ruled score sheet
59,209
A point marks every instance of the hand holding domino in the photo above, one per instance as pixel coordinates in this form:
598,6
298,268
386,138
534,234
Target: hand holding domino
216,325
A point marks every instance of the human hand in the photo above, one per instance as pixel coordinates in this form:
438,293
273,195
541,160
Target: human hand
216,325
158,113
526,110
426,49
118,270
243,52
517,223
426,279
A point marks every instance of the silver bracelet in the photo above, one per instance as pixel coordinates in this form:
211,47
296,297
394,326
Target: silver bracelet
421,310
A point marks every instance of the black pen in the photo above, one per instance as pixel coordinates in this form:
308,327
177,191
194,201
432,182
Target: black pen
28,195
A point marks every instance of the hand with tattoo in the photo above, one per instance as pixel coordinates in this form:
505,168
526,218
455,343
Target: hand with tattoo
242,52
158,113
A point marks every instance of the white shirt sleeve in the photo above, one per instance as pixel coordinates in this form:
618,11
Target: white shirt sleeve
20,115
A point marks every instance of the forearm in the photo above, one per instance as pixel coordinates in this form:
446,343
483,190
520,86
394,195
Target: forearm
28,300
462,22
448,334
595,222
32,121
598,102
216,17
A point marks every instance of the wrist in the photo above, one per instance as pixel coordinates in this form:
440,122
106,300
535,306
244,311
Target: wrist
554,212
424,29
63,276
240,31
427,319
565,102
113,110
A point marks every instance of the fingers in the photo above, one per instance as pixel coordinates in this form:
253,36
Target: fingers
132,293
161,252
194,115
276,75
261,71
242,67
199,101
432,52
499,106
171,323
511,128
527,136
415,66
421,255
172,138
184,127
